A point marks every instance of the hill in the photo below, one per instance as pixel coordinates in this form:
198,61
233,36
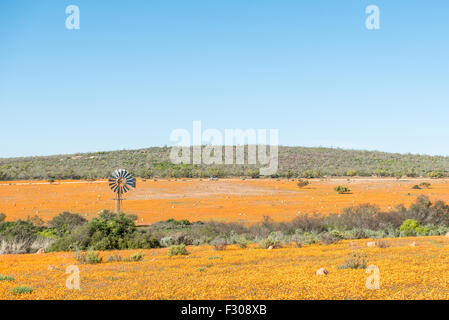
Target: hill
298,162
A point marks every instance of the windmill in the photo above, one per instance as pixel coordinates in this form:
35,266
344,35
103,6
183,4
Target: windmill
121,182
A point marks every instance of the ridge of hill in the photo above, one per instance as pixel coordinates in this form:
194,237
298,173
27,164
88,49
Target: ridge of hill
294,162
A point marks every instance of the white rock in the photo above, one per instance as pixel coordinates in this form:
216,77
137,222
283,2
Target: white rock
321,272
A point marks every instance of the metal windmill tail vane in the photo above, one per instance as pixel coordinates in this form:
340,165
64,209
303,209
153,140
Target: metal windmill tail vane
121,181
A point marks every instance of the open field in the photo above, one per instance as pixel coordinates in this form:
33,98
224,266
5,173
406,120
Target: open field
287,273
224,200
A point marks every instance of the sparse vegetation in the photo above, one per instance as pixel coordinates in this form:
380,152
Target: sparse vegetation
294,162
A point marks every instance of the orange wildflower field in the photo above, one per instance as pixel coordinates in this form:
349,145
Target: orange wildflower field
405,272
223,200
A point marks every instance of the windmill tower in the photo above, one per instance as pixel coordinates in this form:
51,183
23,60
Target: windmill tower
120,183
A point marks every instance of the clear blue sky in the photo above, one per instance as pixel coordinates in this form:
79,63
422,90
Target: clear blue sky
136,70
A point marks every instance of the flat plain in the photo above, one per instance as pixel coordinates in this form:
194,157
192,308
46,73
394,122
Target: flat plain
223,200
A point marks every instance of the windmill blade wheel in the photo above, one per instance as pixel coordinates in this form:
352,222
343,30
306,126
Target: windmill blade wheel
120,182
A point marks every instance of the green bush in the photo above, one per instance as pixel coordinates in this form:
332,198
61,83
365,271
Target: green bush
108,231
78,239
178,250
436,174
331,237
49,233
409,226
22,290
274,240
351,173
412,227
134,258
20,229
254,173
65,222
342,189
139,239
6,278
90,257
302,183
242,242
424,185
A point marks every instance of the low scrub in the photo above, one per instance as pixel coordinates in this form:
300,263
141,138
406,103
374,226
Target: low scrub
89,257
134,258
357,260
178,250
274,240
342,189
302,183
6,278
114,258
331,237
219,243
22,290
